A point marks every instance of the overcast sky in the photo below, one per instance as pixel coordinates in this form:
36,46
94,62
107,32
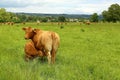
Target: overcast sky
57,6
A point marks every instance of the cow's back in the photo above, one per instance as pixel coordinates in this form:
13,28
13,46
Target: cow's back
46,40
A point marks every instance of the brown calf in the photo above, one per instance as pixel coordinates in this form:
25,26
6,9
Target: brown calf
31,52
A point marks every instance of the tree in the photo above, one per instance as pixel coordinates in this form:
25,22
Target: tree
10,16
61,19
106,16
6,16
113,13
2,15
44,19
94,17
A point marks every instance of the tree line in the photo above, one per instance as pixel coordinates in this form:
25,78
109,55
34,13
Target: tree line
17,18
110,15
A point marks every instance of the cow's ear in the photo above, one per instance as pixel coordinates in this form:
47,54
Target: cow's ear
35,30
24,28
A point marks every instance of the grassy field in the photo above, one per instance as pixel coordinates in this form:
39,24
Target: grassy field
87,52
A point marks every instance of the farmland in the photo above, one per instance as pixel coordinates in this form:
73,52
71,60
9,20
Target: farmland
86,52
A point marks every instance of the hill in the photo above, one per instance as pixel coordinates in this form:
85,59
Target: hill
57,15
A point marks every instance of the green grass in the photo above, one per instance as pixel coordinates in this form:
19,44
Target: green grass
87,52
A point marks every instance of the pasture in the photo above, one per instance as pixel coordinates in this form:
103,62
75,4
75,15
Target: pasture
86,52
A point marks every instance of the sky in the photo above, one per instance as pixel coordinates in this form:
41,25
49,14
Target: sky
57,6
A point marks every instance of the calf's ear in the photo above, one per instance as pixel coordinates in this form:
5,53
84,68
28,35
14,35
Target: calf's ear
23,28
29,27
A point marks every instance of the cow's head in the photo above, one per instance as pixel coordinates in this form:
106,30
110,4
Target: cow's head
29,32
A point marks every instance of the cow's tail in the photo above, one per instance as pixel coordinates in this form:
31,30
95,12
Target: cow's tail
55,41
55,45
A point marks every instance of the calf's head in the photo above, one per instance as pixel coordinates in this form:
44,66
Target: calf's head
29,32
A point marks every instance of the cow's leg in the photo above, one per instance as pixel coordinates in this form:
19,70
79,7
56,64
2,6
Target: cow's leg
49,57
53,56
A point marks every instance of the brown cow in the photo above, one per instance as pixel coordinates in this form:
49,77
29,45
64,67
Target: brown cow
31,52
10,23
87,23
45,41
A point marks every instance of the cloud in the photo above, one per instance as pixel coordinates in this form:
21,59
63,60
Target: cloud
12,3
57,6
19,3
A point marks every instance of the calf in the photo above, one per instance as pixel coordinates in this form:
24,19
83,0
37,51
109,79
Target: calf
31,52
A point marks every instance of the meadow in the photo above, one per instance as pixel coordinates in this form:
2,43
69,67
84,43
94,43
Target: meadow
86,52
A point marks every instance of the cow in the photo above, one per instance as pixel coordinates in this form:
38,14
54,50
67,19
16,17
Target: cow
10,23
46,41
87,23
31,52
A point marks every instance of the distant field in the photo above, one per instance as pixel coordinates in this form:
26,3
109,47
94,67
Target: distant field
87,52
